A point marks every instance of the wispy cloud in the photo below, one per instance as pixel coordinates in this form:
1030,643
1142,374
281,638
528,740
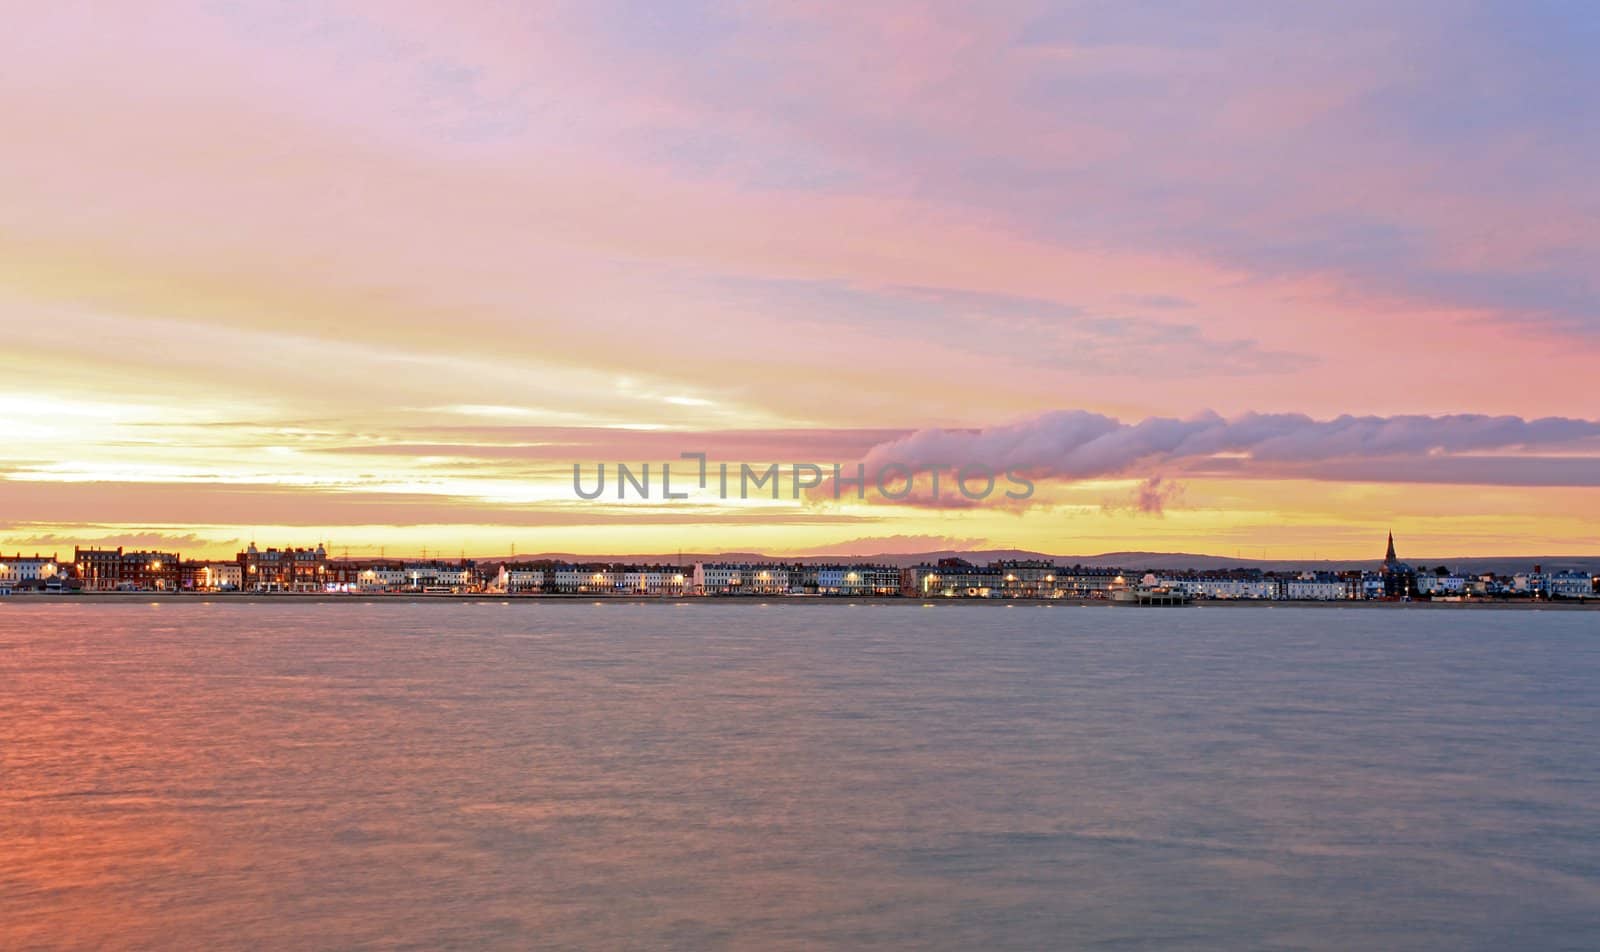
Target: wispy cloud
1150,497
1079,445
60,543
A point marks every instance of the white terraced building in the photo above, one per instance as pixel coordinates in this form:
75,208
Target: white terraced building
1571,585
519,581
717,578
1313,588
1441,584
952,581
655,581
385,578
18,571
858,580
1220,587
438,577
586,580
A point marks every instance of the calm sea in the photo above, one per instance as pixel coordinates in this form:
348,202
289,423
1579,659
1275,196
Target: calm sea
447,774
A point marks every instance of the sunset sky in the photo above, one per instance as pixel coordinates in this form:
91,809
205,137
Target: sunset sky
1259,279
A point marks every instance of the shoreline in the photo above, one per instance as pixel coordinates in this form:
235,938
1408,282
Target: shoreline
199,598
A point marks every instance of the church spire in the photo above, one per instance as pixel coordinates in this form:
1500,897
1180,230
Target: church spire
1390,556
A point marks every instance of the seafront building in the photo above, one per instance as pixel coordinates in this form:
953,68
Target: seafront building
1437,583
20,571
441,577
98,570
656,580
744,578
382,577
953,578
1564,584
958,578
852,580
200,576
284,570
1234,586
119,570
1316,587
517,580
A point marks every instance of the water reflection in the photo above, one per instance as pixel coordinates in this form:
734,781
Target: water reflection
436,775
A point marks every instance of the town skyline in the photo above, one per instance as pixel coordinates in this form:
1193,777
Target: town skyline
316,571
383,274
323,553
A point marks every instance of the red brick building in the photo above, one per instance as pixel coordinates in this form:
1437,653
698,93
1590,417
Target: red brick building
284,570
113,570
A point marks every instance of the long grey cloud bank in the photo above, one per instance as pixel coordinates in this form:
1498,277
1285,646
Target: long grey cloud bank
1457,448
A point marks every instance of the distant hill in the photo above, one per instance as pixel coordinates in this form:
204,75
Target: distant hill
1167,561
